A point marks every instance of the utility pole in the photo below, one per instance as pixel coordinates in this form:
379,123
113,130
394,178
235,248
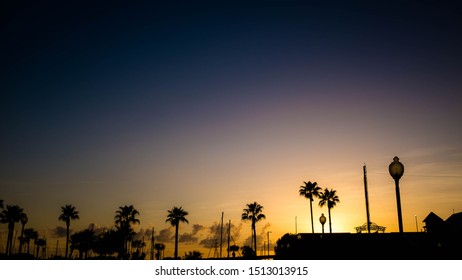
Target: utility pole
367,200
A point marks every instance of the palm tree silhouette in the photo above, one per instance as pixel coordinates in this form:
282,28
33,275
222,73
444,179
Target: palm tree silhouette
68,213
330,198
29,234
160,247
11,215
310,191
39,242
124,219
253,213
175,216
83,241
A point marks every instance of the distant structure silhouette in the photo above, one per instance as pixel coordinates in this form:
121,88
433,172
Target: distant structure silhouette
439,240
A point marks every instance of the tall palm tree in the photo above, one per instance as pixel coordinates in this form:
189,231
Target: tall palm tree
29,234
329,198
175,216
124,219
310,191
253,213
68,213
10,215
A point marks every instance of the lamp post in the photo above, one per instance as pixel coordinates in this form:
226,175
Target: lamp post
322,220
24,220
268,242
396,170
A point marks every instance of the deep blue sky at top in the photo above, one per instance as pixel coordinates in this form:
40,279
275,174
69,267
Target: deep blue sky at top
79,75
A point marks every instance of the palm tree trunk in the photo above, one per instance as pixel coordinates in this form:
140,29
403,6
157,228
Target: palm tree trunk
67,239
176,240
311,213
330,223
9,244
254,232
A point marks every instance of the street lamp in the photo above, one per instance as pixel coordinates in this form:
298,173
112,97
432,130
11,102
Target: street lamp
268,242
396,170
24,220
322,220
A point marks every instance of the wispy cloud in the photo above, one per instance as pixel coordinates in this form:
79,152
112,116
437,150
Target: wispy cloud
58,232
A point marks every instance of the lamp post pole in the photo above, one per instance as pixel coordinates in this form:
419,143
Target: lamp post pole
396,170
268,242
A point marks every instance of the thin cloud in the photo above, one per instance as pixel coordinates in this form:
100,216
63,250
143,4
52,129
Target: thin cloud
58,232
165,235
214,235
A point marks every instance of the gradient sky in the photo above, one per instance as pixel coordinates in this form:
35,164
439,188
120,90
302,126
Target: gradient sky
211,105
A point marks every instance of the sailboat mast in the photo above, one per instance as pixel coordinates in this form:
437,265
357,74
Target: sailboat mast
221,234
229,235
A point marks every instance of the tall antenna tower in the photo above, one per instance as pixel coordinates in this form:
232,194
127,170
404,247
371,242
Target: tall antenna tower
367,200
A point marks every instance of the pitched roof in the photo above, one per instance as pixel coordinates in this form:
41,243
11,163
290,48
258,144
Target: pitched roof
432,217
455,218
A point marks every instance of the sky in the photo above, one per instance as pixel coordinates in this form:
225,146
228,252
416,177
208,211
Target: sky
211,105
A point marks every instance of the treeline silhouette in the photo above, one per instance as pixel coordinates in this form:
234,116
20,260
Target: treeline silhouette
117,242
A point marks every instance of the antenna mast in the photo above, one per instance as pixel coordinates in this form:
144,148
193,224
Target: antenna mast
367,200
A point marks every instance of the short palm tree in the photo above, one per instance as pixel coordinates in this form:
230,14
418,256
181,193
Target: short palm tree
329,198
310,191
68,213
253,213
125,217
10,215
29,234
174,217
160,247
39,242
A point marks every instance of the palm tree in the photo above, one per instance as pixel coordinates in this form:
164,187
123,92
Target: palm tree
83,241
124,219
29,234
330,198
253,213
10,215
234,248
310,191
160,247
175,216
39,242
68,213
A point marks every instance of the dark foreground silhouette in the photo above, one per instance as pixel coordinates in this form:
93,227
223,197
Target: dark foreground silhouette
442,240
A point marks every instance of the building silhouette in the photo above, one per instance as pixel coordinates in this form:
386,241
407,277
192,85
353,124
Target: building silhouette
439,240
